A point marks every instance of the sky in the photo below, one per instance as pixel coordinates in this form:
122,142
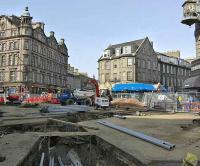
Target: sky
89,26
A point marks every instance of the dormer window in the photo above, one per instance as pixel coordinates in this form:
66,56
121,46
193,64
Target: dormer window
118,51
126,50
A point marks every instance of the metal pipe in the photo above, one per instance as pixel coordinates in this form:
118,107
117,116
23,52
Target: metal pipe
50,164
60,161
42,159
142,136
52,161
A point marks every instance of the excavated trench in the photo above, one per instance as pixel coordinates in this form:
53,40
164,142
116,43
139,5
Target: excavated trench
77,151
73,150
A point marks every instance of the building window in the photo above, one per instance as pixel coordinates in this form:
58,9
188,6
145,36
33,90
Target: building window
2,75
10,60
115,76
164,69
16,45
107,77
14,32
33,61
124,76
126,50
158,66
107,65
26,45
118,51
129,76
2,33
3,47
143,63
3,60
34,76
149,64
129,62
13,75
11,46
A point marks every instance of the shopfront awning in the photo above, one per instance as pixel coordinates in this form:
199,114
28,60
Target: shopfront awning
192,83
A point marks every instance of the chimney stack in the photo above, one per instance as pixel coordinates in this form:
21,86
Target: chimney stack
62,41
52,33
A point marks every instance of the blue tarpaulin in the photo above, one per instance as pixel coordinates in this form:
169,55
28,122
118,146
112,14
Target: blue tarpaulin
139,87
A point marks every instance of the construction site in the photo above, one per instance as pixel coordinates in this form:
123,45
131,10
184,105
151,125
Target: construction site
144,109
48,134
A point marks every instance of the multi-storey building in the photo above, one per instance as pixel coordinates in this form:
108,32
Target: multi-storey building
134,61
137,61
28,58
78,80
173,71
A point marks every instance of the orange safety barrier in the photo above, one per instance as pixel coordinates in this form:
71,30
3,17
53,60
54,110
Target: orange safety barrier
40,99
43,99
1,100
192,106
30,100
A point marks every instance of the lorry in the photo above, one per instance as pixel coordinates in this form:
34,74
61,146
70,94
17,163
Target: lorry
84,97
67,97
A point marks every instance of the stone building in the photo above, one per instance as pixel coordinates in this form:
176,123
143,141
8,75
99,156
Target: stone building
134,61
137,61
77,80
173,71
28,58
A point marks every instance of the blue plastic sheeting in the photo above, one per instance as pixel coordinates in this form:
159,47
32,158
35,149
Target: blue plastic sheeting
139,87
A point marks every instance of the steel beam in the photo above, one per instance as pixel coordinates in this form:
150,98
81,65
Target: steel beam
139,135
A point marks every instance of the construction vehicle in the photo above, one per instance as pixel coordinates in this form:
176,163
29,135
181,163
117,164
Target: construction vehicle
100,102
84,97
13,97
67,97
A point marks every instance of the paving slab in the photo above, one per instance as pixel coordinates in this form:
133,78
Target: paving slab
168,129
16,146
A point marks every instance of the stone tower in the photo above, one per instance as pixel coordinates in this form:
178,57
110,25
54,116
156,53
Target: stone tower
191,15
26,23
197,39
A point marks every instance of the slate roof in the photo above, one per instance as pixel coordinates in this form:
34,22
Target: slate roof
135,42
